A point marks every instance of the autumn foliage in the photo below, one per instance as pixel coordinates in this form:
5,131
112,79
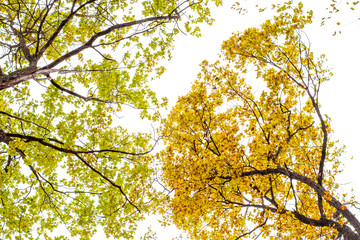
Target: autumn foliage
248,151
244,162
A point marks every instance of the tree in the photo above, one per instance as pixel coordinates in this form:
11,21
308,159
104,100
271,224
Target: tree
68,68
243,163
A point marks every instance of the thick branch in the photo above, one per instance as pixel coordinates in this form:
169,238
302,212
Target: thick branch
69,150
90,42
24,74
314,185
60,27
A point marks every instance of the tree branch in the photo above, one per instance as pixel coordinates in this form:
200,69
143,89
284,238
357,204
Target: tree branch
60,27
90,42
319,189
69,150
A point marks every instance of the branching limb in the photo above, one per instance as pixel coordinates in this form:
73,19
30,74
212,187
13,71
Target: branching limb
253,230
108,180
69,150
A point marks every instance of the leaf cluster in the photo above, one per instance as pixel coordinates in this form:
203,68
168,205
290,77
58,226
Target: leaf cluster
244,163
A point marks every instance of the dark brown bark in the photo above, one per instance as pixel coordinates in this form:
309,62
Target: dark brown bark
27,73
319,189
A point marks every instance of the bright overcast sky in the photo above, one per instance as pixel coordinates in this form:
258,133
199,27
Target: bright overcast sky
339,97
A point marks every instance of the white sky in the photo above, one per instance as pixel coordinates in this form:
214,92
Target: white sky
339,97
